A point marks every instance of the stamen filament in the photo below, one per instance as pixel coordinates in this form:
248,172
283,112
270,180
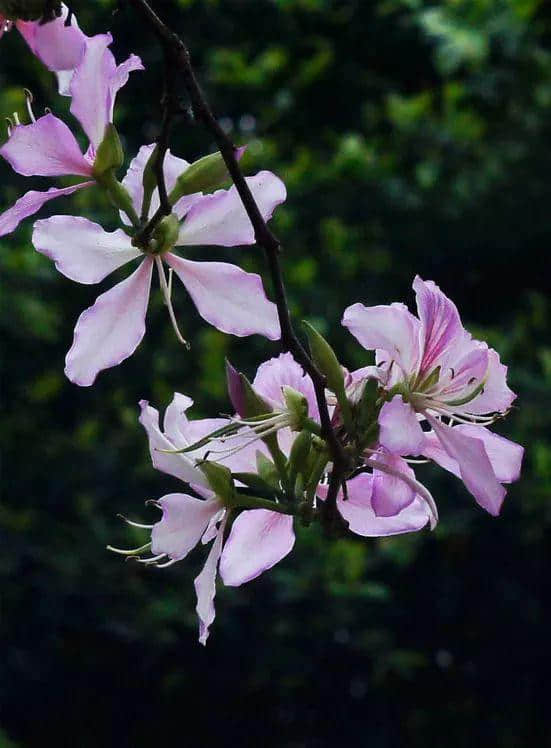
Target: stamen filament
166,295
130,552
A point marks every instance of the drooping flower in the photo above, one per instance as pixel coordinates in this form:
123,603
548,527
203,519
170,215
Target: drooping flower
227,297
46,147
434,372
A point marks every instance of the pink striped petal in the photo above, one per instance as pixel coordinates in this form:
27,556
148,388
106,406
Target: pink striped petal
82,250
183,523
30,203
391,494
45,148
474,465
258,540
58,46
496,396
505,456
109,332
221,219
227,297
181,466
205,587
392,329
399,429
272,375
440,322
95,84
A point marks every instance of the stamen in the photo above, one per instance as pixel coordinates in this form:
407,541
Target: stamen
412,461
10,126
134,524
47,110
167,564
130,552
151,560
412,483
166,290
29,98
16,118
153,502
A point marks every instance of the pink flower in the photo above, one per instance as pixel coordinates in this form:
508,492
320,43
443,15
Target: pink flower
225,296
48,148
259,538
432,369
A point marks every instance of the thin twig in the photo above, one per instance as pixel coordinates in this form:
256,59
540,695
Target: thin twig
177,57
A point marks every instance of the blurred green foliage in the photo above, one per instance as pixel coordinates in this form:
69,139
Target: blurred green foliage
414,137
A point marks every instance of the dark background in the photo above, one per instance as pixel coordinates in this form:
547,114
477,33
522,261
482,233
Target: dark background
413,137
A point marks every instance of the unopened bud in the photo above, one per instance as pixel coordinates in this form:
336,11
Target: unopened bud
203,175
298,457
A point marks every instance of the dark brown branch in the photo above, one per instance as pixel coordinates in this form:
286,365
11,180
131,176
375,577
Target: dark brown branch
177,56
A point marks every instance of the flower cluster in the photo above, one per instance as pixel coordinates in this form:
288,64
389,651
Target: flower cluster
429,393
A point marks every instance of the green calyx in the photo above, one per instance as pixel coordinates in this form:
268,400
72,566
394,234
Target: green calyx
110,154
297,407
166,234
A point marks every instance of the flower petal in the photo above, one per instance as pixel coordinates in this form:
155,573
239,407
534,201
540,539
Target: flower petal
258,540
95,84
45,148
30,203
505,456
82,250
184,521
179,465
399,429
221,219
390,494
205,586
173,167
227,297
272,375
392,329
474,465
58,46
496,396
362,520
440,321
110,331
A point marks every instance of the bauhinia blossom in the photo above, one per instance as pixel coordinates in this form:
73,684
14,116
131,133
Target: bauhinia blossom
46,147
227,297
260,537
435,374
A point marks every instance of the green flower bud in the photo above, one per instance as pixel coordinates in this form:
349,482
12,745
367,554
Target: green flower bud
266,469
298,457
166,233
109,155
203,175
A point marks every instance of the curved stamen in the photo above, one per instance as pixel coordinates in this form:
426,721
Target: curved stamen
130,552
151,560
166,290
10,126
134,524
419,488
168,563
29,99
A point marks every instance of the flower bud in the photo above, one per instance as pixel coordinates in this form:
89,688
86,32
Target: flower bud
325,359
235,389
203,175
298,457
109,155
